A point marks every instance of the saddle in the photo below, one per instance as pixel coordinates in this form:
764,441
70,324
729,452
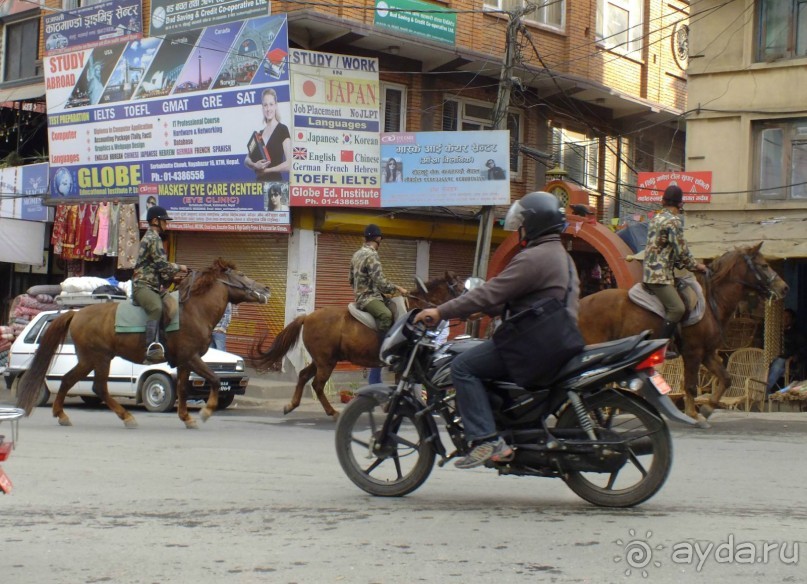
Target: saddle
397,304
688,289
131,318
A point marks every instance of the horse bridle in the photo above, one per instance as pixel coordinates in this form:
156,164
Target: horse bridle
764,284
452,286
241,286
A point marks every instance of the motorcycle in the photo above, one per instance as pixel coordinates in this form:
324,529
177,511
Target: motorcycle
597,425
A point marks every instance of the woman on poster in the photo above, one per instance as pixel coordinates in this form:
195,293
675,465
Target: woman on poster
269,149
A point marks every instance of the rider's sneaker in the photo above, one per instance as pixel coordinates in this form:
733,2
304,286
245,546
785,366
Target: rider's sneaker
155,353
495,450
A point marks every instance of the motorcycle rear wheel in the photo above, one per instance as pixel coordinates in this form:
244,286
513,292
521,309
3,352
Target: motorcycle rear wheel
650,454
398,469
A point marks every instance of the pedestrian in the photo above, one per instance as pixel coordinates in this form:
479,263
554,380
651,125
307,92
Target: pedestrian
153,273
667,249
794,352
219,337
543,269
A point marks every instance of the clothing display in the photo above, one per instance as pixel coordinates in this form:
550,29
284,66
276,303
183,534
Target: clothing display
89,231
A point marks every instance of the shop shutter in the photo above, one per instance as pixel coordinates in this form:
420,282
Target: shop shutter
261,256
454,256
334,252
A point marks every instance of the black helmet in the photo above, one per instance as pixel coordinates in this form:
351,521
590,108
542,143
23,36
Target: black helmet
539,213
673,196
157,212
372,231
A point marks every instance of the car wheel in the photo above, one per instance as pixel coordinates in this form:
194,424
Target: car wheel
225,400
158,393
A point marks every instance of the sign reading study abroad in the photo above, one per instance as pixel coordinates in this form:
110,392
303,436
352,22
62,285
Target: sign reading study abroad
336,160
697,186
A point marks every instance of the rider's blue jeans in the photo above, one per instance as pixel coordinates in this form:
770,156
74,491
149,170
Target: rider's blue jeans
467,372
375,375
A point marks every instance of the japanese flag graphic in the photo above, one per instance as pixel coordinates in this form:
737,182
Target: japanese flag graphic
309,88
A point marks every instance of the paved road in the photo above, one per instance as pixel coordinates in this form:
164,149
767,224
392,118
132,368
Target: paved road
257,497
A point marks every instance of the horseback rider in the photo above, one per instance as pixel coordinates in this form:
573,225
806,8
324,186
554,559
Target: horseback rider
152,272
667,249
541,270
370,285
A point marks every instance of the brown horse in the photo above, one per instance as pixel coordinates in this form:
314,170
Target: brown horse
331,335
203,299
609,315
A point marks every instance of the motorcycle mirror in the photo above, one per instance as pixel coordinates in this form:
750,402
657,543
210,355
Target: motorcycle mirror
473,282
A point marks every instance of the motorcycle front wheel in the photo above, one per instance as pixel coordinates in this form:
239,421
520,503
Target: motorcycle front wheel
404,461
646,438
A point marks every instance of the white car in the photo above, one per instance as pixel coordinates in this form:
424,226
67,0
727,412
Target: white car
152,385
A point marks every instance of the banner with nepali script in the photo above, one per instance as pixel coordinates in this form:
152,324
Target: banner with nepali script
103,23
171,120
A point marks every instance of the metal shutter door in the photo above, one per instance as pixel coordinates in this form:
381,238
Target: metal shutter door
261,256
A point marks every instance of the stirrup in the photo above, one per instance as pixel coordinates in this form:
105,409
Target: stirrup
155,353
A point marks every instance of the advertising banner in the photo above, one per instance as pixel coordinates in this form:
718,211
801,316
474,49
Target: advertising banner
174,121
21,192
445,168
103,23
697,186
169,16
415,17
336,158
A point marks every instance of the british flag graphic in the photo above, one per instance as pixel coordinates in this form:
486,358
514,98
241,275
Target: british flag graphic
300,153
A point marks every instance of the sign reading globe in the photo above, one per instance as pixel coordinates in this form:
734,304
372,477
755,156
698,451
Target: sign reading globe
158,17
382,9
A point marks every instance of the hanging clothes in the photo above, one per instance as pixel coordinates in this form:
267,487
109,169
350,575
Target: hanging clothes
72,233
102,230
114,229
89,234
128,238
59,229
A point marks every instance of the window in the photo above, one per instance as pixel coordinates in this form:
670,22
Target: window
782,160
21,50
71,4
467,115
393,108
619,25
782,30
548,12
577,155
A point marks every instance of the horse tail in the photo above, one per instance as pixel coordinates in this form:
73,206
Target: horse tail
270,359
31,381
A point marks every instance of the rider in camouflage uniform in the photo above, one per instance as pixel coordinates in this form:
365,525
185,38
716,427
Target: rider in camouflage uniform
667,249
152,272
368,281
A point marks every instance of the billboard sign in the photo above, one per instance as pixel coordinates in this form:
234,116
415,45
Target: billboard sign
103,23
168,16
22,189
418,18
173,118
697,186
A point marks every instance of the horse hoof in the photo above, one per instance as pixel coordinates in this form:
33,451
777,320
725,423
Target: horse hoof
706,411
65,422
335,415
191,424
130,423
205,414
701,423
287,409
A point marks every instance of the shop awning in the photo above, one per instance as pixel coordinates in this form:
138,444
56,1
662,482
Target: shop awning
21,241
22,92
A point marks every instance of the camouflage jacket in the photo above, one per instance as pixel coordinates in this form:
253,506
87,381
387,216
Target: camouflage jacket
153,268
666,249
367,277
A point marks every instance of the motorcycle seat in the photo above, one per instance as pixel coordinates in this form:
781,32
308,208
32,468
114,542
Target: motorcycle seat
600,354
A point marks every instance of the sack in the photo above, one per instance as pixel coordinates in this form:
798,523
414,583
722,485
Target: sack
535,343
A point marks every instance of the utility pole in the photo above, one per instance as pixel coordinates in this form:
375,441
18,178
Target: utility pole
485,234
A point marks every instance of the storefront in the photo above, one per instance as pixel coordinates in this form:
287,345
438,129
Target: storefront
261,256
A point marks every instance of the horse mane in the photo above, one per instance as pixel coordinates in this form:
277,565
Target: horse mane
202,281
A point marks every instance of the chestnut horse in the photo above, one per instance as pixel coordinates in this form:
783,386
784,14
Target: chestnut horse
610,314
203,299
331,335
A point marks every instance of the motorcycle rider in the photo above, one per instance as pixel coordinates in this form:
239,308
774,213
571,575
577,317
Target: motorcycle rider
370,285
667,249
153,271
538,271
